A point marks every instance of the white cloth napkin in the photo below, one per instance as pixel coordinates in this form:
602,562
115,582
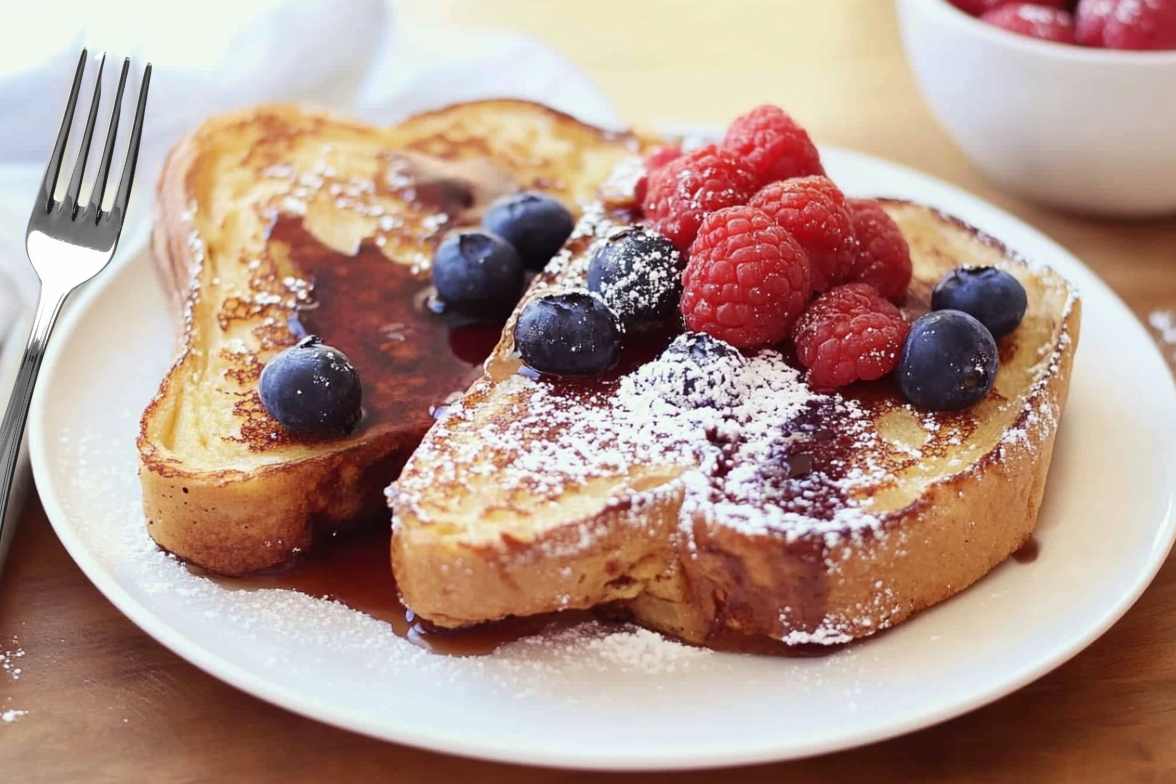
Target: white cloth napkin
215,55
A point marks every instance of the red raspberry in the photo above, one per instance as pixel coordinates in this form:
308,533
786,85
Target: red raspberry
978,7
975,7
815,211
656,159
849,333
1090,20
684,190
747,279
1034,20
660,156
773,145
883,257
1141,24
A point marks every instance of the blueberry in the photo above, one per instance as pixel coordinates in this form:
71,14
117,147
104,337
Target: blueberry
573,334
312,388
697,371
949,361
537,225
993,297
477,273
637,273
702,350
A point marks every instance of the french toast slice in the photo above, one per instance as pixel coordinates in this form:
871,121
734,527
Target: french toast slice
725,502
280,220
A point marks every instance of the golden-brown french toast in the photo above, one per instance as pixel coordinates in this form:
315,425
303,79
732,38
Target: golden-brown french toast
725,499
279,221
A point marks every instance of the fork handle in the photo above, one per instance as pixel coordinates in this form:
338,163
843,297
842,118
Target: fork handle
12,428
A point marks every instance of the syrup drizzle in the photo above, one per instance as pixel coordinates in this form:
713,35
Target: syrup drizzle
1028,552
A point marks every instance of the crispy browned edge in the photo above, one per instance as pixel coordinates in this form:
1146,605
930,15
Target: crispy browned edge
955,533
234,522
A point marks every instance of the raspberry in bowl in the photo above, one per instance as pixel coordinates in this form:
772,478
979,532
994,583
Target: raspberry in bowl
1084,128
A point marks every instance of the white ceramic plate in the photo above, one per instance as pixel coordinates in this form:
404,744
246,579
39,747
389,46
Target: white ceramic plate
630,701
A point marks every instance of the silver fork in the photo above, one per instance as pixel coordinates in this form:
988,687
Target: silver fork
68,243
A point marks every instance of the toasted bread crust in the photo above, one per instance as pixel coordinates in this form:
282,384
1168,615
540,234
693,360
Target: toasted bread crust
508,578
721,582
234,521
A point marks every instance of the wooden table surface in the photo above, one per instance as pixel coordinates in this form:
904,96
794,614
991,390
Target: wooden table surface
106,703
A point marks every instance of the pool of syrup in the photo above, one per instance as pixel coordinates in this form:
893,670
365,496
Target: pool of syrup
354,569
374,310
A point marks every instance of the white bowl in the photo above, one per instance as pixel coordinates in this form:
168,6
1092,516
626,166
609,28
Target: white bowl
1089,130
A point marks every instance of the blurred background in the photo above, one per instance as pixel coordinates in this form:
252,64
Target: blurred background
839,66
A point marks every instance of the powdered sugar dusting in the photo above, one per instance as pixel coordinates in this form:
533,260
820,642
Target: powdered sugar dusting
673,411
729,418
604,648
1042,412
10,715
10,660
694,411
1163,323
825,634
650,270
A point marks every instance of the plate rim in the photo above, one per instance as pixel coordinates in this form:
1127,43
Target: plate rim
252,683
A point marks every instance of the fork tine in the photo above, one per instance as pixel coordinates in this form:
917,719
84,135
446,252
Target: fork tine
107,154
75,183
49,181
119,208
